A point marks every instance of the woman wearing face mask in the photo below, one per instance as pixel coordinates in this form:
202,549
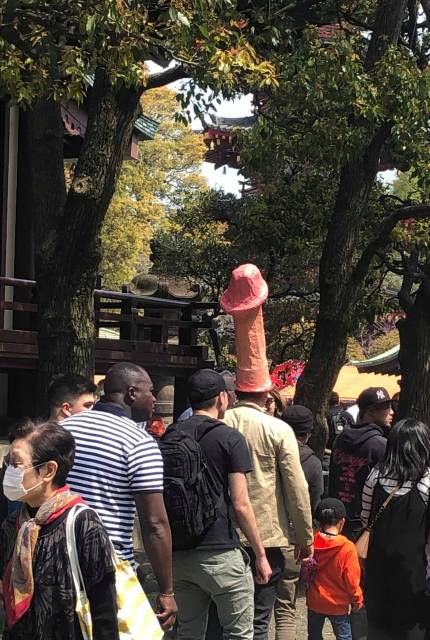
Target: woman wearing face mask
34,564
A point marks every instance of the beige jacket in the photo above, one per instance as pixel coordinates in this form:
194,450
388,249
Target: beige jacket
277,487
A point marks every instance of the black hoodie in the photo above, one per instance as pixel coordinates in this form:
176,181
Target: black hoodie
355,452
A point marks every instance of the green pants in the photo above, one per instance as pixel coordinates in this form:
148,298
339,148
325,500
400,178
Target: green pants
285,604
200,576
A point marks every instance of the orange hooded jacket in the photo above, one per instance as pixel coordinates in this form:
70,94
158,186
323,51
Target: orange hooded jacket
336,584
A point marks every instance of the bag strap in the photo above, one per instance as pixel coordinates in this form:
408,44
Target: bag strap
382,508
210,428
72,550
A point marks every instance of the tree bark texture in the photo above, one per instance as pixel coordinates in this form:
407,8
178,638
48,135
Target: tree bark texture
414,357
338,293
340,277
69,223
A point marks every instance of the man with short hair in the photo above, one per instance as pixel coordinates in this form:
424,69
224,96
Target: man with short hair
118,468
356,451
70,394
278,492
229,379
217,569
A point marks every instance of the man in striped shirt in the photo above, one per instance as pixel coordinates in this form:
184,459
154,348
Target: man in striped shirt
118,468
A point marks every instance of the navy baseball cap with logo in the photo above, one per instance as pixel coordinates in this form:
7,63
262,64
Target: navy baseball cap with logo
371,397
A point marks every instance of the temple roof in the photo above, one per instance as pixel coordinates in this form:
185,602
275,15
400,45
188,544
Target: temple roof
386,363
227,124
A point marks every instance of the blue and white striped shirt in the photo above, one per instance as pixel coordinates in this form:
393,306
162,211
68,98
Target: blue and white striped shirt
114,459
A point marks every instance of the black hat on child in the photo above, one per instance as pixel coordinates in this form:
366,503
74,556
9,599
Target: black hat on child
332,504
300,419
204,385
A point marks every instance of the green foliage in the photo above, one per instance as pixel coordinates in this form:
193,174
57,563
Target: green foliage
166,173
329,105
196,243
49,48
384,343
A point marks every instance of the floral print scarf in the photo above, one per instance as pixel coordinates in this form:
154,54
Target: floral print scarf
18,582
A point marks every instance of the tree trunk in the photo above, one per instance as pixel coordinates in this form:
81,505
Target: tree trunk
340,280
68,240
338,293
414,357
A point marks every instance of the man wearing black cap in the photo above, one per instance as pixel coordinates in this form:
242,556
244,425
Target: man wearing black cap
301,421
356,451
217,569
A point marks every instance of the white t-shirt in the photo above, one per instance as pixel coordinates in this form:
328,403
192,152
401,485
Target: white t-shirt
354,411
114,459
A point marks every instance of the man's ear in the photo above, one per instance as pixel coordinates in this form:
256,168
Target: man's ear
131,394
66,409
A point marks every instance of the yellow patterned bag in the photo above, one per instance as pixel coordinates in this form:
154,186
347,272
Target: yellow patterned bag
136,619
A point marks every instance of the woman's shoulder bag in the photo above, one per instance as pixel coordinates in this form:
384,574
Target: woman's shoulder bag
136,618
362,542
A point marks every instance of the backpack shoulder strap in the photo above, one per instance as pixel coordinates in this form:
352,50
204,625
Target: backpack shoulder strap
199,436
194,427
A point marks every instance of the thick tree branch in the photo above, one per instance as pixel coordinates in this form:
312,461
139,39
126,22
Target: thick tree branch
391,266
387,30
290,292
382,237
405,294
162,78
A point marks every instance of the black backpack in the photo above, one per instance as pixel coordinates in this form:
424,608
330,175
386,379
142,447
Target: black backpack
190,493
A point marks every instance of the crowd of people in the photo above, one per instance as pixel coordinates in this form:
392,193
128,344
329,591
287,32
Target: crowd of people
236,482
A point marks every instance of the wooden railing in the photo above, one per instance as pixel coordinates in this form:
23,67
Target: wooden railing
134,318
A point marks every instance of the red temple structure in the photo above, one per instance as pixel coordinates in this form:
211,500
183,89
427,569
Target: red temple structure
221,139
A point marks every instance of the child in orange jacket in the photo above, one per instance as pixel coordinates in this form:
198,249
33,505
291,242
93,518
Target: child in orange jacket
335,587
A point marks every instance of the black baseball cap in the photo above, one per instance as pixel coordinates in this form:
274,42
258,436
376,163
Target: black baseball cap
204,385
330,504
300,419
371,397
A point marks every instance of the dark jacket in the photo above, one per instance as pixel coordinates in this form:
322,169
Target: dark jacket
312,469
355,452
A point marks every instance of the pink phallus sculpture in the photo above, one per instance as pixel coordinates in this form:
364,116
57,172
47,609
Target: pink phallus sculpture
244,299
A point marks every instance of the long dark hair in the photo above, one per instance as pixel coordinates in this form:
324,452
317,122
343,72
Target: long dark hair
408,452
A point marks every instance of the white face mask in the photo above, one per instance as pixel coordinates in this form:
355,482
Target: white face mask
13,487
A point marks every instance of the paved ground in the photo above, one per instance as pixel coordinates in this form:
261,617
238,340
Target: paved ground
302,623
151,588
